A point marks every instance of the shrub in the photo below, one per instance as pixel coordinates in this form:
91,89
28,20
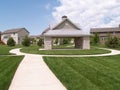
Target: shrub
96,38
26,41
56,41
40,42
10,42
66,40
112,42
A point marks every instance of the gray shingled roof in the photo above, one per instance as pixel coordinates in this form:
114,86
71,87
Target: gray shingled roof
64,32
15,30
76,26
104,29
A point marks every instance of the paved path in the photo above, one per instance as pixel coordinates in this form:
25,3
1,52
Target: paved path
34,74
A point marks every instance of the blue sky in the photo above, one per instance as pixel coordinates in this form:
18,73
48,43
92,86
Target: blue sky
34,15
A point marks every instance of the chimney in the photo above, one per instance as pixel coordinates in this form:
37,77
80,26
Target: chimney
64,17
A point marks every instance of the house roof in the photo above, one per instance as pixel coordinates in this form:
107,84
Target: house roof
35,36
76,26
54,31
15,30
66,33
105,29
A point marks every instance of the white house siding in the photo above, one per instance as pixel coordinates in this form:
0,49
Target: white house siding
15,37
5,37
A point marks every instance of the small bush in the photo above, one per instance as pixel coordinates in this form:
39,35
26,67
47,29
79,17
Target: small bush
112,42
10,42
66,40
26,41
56,41
96,38
40,42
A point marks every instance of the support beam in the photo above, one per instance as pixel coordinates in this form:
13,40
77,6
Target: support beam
86,43
60,41
78,42
48,43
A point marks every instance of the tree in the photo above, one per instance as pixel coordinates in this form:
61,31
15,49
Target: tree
10,42
26,41
112,42
96,38
40,42
56,41
66,40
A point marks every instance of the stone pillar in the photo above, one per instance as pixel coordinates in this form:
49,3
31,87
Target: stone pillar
77,42
86,42
60,41
48,43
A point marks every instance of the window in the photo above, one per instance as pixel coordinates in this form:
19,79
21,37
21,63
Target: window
5,37
14,33
103,38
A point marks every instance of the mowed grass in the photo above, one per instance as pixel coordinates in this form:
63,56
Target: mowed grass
88,73
8,66
35,50
4,49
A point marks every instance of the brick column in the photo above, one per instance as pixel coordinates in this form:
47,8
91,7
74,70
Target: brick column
48,43
86,42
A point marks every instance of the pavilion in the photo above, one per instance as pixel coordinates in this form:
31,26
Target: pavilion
66,29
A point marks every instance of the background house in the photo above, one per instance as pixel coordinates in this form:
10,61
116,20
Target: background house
103,32
17,34
34,38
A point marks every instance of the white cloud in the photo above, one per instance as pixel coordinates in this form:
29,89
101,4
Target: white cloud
90,13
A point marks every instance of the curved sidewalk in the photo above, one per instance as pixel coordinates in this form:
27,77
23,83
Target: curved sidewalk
34,74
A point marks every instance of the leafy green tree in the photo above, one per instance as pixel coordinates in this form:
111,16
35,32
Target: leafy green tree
112,42
26,41
96,38
40,42
66,40
10,42
56,41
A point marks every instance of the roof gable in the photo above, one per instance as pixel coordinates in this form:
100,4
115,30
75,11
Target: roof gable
66,24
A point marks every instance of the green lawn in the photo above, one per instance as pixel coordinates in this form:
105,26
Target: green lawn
8,66
35,50
88,73
4,49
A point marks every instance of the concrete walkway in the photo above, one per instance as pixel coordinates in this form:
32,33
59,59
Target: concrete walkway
34,74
